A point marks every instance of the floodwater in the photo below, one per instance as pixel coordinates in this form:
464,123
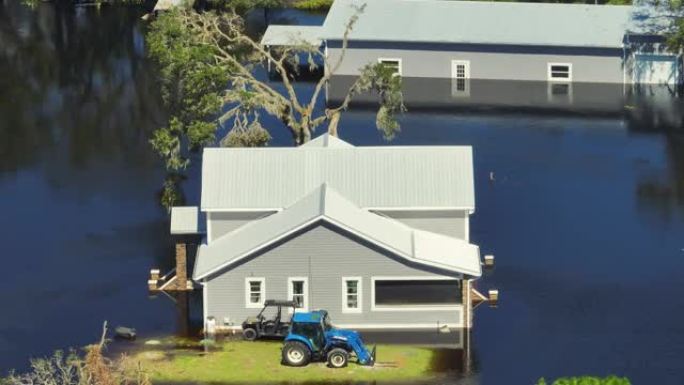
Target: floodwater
584,211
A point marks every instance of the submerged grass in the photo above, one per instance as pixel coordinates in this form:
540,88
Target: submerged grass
259,362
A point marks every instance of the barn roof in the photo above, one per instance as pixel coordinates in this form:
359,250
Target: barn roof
478,22
286,35
326,204
382,177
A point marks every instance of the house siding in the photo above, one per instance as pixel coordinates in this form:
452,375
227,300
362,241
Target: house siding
490,63
451,223
222,223
324,255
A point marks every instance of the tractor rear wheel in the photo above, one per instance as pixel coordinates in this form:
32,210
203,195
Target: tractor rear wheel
338,358
296,354
249,334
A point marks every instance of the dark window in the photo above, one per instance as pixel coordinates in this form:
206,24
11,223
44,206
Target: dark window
428,292
560,72
311,331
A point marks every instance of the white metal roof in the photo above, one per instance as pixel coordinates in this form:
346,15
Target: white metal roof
324,203
184,220
287,35
479,22
411,177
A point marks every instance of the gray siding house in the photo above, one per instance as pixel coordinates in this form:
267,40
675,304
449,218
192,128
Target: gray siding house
463,40
378,236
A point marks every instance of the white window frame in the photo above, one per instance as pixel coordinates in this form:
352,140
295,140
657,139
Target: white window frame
466,63
359,295
396,59
374,307
290,292
248,303
465,92
552,79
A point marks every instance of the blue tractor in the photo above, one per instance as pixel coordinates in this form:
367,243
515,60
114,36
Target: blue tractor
313,338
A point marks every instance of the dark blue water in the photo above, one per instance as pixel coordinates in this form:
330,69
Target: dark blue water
585,213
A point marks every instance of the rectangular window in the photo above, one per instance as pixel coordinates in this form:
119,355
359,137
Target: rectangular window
560,72
394,64
419,293
255,292
460,78
298,291
351,295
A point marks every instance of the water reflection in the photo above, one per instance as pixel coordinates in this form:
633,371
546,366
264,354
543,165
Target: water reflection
74,85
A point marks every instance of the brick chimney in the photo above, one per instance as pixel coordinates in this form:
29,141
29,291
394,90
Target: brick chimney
181,266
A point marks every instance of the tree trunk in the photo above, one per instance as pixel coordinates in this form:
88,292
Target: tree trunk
332,126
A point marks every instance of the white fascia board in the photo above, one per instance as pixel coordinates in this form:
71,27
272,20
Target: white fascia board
240,210
420,208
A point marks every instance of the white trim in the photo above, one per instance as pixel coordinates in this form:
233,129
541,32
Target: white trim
248,303
351,230
418,208
552,79
380,326
209,238
389,208
406,326
241,210
396,59
467,228
359,295
466,63
290,292
380,308
205,303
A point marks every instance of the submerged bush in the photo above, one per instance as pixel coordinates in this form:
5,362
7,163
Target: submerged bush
587,380
313,5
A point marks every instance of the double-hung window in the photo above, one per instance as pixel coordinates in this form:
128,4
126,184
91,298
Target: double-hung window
393,64
351,295
255,292
298,291
560,72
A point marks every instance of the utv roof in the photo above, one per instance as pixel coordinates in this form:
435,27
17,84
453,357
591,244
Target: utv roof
278,302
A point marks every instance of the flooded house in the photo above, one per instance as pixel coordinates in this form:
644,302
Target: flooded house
378,236
499,54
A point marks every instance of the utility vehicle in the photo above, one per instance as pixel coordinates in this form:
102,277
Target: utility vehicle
313,338
275,327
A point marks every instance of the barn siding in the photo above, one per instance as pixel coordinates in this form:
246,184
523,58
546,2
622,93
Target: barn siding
222,223
324,256
529,66
450,223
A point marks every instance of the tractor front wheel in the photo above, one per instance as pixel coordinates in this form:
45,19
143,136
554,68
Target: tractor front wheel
296,354
249,334
338,358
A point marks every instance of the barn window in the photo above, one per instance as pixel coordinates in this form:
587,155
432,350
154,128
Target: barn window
416,293
255,291
393,64
560,72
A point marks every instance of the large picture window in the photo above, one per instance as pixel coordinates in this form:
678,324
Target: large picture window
416,293
255,291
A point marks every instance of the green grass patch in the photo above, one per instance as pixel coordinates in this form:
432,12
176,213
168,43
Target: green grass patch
259,362
313,5
587,380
